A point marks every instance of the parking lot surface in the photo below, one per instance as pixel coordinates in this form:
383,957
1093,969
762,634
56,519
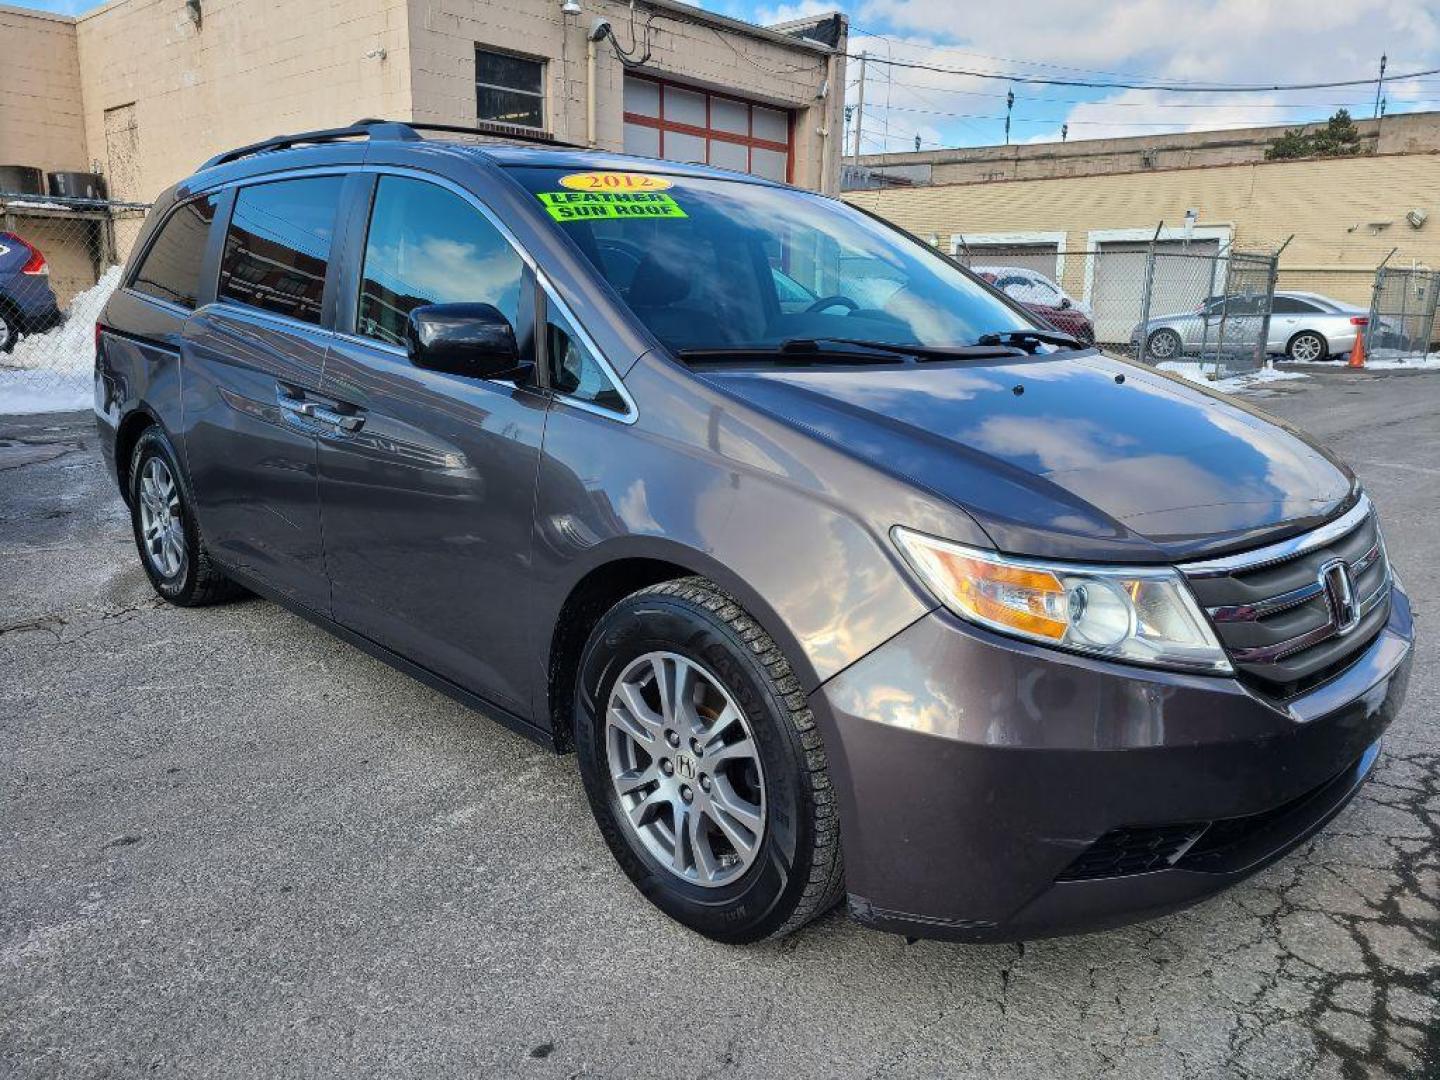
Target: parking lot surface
232,845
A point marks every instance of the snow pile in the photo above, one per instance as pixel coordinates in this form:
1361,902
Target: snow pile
1203,375
54,372
1413,363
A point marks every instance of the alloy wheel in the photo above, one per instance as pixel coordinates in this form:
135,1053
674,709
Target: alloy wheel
685,766
1163,345
1306,348
161,525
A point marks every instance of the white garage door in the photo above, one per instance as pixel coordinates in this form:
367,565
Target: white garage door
1042,257
1184,276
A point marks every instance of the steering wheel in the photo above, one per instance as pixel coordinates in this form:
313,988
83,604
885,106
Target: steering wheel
832,301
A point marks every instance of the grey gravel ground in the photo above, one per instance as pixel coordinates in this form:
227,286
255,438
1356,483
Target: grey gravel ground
231,845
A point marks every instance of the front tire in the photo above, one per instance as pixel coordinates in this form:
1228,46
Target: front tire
1163,344
162,516
703,765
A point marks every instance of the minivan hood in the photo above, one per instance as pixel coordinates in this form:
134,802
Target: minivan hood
1068,455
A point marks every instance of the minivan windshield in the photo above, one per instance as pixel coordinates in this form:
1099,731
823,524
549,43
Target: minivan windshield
710,264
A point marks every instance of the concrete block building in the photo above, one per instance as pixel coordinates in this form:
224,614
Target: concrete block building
142,91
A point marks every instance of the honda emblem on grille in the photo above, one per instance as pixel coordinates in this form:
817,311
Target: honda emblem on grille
1340,594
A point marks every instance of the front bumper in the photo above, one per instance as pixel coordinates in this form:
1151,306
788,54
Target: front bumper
974,770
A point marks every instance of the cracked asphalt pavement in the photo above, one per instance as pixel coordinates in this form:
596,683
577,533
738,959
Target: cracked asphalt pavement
232,845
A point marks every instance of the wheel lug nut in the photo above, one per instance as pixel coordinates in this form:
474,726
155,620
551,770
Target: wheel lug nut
704,782
696,748
686,793
667,767
673,738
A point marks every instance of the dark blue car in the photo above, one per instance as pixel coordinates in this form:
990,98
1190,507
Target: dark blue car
27,303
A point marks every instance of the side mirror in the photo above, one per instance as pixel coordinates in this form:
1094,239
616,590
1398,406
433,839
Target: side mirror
464,339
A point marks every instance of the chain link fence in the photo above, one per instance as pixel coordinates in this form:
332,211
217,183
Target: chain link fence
1402,314
59,261
1159,300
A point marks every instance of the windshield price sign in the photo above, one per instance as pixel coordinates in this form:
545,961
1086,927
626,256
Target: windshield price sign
583,205
614,181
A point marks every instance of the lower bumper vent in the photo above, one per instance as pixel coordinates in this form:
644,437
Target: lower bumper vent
1135,850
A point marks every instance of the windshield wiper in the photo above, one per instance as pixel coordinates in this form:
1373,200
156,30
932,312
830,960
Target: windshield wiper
1021,337
851,350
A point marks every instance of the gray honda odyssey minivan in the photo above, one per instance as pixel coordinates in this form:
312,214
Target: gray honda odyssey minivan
841,575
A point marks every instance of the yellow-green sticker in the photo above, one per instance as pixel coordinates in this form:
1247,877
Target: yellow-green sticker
583,205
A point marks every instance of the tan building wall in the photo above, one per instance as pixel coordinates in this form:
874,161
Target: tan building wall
1345,214
161,94
143,92
41,122
1405,133
762,67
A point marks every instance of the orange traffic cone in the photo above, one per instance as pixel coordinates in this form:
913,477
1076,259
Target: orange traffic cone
1357,354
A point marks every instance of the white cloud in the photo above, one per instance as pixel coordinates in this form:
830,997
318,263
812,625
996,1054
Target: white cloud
1228,41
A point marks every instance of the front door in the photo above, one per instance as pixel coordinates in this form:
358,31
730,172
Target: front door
428,484
252,364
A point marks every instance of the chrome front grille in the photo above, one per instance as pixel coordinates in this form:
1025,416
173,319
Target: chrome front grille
1292,614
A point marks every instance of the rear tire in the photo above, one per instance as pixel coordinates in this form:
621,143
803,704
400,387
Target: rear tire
163,519
772,866
1307,347
9,329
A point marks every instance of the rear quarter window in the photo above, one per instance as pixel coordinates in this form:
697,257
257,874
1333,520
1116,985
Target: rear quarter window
170,270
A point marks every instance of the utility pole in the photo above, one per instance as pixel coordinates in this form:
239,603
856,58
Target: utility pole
860,108
1379,85
1009,105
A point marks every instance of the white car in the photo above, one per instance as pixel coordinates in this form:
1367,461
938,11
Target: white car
1031,287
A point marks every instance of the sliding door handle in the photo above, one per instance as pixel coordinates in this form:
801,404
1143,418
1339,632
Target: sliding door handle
349,423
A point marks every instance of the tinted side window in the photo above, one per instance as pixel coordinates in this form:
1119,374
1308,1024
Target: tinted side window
278,246
429,246
1288,305
573,368
171,268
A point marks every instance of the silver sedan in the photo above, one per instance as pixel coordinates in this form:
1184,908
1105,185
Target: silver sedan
1304,326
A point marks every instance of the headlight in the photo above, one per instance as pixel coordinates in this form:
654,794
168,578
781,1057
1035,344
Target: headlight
1145,615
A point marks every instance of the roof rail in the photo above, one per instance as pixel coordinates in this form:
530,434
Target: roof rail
370,128
511,132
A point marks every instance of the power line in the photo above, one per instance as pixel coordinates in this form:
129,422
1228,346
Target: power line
1168,88
1091,123
890,39
1141,104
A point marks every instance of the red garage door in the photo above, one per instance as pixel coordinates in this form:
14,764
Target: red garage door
680,123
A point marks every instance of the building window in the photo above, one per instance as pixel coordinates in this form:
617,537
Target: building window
680,123
509,89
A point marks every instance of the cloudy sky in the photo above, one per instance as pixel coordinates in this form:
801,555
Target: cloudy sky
1171,41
